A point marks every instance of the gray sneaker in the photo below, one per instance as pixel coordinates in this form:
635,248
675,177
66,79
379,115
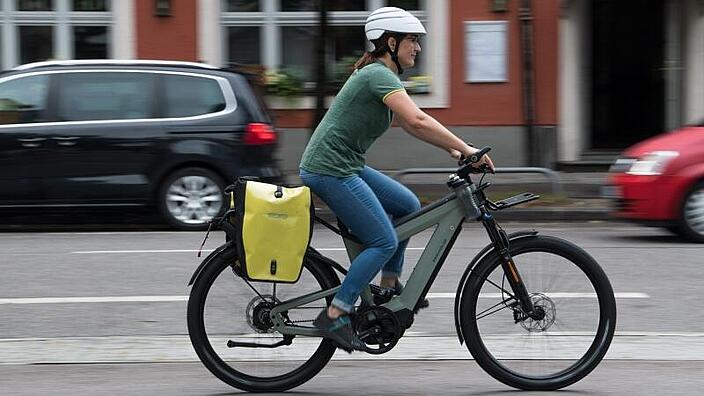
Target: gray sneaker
339,330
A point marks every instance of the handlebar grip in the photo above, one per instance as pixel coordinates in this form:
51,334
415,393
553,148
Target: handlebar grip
474,158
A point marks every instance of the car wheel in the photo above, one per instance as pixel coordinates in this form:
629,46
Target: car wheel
692,215
190,197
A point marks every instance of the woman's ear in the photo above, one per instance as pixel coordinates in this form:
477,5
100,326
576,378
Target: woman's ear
391,43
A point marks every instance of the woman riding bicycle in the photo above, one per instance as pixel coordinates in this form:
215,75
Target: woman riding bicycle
363,198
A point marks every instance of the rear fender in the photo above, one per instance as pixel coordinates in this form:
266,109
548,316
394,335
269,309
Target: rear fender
488,249
208,259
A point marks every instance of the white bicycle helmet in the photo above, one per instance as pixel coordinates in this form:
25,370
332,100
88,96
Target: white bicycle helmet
392,20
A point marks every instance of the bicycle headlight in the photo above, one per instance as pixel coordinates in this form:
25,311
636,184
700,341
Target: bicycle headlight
652,164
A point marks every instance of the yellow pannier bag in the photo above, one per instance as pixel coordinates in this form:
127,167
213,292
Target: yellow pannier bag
274,227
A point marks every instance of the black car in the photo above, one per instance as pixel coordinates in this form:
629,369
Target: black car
130,133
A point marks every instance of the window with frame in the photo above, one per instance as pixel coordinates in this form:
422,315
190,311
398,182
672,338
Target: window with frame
105,96
23,100
243,45
408,5
242,5
90,42
36,43
90,5
284,37
187,96
333,5
57,29
35,5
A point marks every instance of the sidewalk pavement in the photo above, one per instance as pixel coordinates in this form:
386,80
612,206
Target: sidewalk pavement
580,199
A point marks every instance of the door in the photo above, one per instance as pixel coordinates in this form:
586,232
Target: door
628,81
23,139
104,146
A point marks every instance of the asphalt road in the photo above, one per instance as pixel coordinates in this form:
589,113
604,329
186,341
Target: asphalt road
87,303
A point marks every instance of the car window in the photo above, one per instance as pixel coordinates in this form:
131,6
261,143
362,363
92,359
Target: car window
23,100
105,96
186,96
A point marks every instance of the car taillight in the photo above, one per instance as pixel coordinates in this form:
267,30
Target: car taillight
257,134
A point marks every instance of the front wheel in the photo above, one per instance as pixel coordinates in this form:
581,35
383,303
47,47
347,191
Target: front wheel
224,309
691,223
561,345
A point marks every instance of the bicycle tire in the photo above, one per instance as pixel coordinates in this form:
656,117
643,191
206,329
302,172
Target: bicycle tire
223,370
499,362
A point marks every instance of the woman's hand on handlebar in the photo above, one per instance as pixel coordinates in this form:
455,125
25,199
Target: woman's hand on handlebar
484,161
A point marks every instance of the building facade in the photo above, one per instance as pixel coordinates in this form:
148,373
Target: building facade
543,82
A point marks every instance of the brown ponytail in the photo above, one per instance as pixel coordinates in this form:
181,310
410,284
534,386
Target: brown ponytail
366,59
370,57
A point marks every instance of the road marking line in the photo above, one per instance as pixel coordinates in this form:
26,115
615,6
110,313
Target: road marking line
141,251
121,299
553,295
113,349
186,251
70,300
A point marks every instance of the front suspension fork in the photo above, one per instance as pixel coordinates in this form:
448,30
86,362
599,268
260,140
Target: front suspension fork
501,243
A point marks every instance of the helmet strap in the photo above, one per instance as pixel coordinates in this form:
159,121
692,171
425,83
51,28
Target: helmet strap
394,53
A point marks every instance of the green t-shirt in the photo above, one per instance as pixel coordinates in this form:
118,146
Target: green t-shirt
357,117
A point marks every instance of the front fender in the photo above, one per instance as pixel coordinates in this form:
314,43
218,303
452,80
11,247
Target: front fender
483,253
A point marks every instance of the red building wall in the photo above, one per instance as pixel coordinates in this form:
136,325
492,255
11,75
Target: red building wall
502,103
167,37
479,104
490,104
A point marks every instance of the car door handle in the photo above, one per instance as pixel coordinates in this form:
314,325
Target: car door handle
31,142
66,141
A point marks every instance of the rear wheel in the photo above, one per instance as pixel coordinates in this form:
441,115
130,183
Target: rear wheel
223,307
561,345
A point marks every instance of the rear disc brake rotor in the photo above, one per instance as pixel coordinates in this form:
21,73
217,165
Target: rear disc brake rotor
258,311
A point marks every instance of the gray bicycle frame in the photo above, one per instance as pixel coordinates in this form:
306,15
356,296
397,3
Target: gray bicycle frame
448,214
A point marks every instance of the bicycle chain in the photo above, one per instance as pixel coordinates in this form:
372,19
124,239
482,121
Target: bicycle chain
301,321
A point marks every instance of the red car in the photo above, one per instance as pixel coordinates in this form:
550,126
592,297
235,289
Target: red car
660,182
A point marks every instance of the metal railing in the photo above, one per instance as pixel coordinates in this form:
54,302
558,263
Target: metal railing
550,174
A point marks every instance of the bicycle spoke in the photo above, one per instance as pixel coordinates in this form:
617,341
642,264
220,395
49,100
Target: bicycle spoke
501,288
482,315
249,284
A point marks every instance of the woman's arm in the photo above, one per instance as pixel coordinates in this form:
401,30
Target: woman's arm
424,127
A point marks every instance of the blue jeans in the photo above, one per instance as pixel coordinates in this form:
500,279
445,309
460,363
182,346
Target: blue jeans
366,204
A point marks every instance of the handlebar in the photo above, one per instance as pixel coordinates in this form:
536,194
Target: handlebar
474,158
466,163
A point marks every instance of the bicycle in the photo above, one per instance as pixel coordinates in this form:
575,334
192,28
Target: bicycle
521,325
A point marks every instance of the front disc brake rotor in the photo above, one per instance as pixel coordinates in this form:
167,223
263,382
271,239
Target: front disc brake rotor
545,314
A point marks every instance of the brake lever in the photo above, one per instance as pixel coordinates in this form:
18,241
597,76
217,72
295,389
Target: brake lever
485,168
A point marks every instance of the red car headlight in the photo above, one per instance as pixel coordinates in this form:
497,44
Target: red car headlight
652,164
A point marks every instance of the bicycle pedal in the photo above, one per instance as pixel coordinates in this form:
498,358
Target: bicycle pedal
348,350
383,295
